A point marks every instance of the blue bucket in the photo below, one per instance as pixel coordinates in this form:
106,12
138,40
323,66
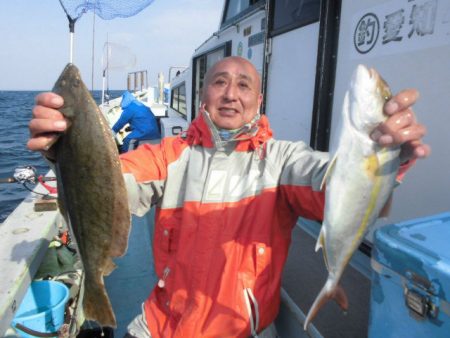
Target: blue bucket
42,309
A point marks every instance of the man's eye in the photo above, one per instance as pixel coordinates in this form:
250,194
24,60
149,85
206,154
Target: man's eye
244,85
219,82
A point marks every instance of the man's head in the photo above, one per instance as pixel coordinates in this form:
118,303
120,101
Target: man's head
232,92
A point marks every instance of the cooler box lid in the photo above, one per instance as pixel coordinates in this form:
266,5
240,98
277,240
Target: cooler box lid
419,249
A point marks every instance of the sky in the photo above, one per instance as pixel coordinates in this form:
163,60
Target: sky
35,41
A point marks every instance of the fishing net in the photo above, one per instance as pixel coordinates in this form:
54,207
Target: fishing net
105,9
117,56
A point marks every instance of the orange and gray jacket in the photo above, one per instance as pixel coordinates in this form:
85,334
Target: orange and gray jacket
224,215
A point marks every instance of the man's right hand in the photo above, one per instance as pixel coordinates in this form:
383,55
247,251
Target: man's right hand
47,123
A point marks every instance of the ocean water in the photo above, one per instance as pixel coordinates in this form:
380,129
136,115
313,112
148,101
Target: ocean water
15,113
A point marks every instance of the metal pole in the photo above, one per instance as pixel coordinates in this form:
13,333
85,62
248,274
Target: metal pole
72,31
93,52
103,86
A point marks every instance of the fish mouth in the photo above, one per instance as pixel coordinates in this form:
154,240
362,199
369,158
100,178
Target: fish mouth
382,85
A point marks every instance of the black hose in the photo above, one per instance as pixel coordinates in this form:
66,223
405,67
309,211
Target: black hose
36,333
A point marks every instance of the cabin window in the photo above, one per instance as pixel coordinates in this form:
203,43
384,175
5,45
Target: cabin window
290,14
179,99
237,8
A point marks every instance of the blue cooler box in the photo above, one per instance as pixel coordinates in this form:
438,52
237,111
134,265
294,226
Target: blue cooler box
410,293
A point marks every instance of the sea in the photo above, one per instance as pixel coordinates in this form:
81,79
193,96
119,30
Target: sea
15,114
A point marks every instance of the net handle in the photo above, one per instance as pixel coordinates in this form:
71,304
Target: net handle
71,31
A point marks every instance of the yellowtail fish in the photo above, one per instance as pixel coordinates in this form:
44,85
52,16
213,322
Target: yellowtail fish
359,181
91,191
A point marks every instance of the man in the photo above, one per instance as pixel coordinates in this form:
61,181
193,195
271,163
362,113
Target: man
140,118
227,197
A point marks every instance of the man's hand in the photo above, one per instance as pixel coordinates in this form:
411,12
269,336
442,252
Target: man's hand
402,128
47,123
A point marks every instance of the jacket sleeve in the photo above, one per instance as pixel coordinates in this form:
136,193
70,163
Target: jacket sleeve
125,117
145,172
301,178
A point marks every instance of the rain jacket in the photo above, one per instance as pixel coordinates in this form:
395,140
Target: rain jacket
140,118
224,215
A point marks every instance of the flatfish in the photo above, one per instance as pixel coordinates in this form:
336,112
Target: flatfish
91,191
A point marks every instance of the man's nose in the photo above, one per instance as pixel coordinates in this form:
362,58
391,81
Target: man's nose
230,92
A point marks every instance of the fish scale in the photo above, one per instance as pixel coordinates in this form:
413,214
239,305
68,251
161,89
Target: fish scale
91,191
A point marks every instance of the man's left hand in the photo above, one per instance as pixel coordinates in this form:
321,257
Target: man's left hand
402,128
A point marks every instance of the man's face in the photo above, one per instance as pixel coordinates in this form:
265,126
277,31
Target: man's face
232,93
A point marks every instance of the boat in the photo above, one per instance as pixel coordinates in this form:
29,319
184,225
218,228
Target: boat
305,52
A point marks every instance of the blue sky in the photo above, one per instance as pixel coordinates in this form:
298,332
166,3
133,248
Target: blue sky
34,44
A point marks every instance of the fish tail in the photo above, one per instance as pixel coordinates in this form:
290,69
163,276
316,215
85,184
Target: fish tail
96,305
330,290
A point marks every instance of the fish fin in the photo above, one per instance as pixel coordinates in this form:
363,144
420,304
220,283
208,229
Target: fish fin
328,172
109,267
96,304
320,244
329,291
320,240
341,298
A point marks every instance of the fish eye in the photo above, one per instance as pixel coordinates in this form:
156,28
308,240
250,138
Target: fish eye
63,83
76,82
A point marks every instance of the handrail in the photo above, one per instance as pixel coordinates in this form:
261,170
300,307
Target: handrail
138,79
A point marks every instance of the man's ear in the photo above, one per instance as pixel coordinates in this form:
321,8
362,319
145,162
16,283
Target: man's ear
260,100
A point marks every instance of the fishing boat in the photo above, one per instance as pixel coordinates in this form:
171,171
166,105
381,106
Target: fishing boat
305,52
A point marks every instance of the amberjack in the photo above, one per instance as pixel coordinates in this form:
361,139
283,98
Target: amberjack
91,191
359,181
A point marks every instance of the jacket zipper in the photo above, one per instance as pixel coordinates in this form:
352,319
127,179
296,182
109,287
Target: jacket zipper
250,301
162,280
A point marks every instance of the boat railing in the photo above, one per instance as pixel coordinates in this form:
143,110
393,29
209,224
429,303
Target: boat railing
26,235
137,80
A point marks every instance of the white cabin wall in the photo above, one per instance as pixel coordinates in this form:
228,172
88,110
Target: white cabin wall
421,62
239,42
291,79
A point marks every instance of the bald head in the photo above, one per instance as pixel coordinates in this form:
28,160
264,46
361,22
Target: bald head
232,92
250,70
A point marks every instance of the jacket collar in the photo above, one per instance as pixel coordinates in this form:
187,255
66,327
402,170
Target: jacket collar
203,132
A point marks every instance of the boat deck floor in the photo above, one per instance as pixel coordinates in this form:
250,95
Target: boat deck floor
133,279
305,274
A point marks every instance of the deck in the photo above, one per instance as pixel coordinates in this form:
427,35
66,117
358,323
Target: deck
132,281
305,274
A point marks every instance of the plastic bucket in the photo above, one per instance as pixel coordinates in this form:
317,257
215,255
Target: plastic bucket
42,309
